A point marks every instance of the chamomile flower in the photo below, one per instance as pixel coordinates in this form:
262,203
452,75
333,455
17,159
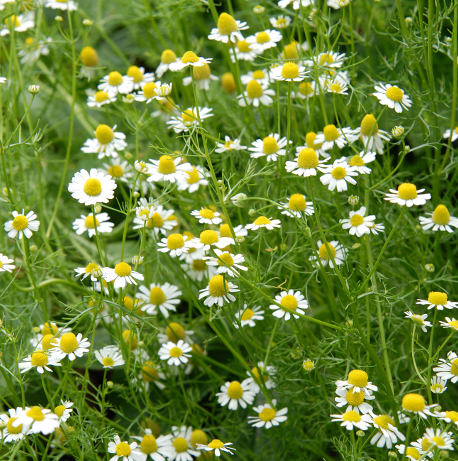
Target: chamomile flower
289,72
393,97
415,403
271,146
218,291
5,263
249,316
263,375
174,244
292,300
37,420
175,354
328,60
268,416
193,178
333,136
306,163
438,300
110,356
450,323
87,271
438,385
280,22
148,93
63,5
229,145
115,83
371,136
306,90
337,250
208,239
354,400
167,169
225,231
159,297
119,170
440,220
19,23
99,99
407,195
358,381
207,216
448,368
107,142
11,433
453,133
122,275
226,262
264,40
414,451
41,360
234,394
440,439
182,445
360,161
387,433
124,451
168,57
198,269
202,76
228,29
244,51
261,76
217,446
64,410
88,223
33,50
295,206
22,224
256,94
156,448
449,417
70,345
165,89
376,228
263,222
358,223
351,419
156,218
92,188
296,3
337,85
189,59
337,175
140,78
419,320
189,118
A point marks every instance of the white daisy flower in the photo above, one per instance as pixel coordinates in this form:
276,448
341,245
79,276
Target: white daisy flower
119,170
419,320
333,136
227,262
20,23
106,143
70,345
334,4
310,142
440,220
11,433
407,195
263,222
110,356
164,90
370,135
63,5
159,297
449,417
92,188
291,300
263,375
156,448
182,445
33,50
306,163
244,51
189,118
414,452
234,394
453,133
198,269
376,228
415,403
329,59
168,57
3,79
217,446
337,85
124,451
156,218
351,419
450,323
99,99
358,223
5,263
218,291
295,206
393,97
36,420
440,439
225,231
229,145
358,381
387,433
228,29
271,146
64,410
264,40
140,79
115,83
337,175
193,178
305,91
148,93
268,416
122,275
438,385
175,354
354,400
296,3
256,94
280,22
88,223
261,76
167,169
87,271
248,316
438,300
448,368
359,161
188,59
208,239
22,224
338,252
207,216
41,360
289,72
174,244
202,77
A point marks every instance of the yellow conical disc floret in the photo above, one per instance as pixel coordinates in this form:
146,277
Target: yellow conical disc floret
441,215
413,402
269,145
330,133
254,89
394,93
407,191
130,338
438,298
104,134
217,286
307,158
226,24
189,57
175,332
297,202
202,72
148,90
198,437
290,70
89,56
168,56
228,82
290,51
135,73
368,124
115,78
358,378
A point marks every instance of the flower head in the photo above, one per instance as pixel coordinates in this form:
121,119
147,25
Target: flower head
218,291
291,300
234,394
122,274
407,195
228,29
358,223
110,356
393,97
93,187
175,354
268,416
22,224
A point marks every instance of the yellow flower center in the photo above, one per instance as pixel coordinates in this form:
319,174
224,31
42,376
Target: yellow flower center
258,74
305,88
351,416
339,172
209,237
149,372
116,171
330,133
356,220
202,72
59,410
180,444
297,202
193,176
413,402
407,191
394,93
122,269
357,378
437,388
441,215
29,41
217,286
243,46
89,56
269,145
289,301
39,359
47,329
135,73
92,187
166,165
281,23
216,444
254,90
12,21
356,160
261,221
228,82
20,222
454,367
335,88
307,158
35,413
168,56
155,221
131,339
175,332
367,125
225,230
262,37
175,241
290,70
47,342
68,343
354,398
114,78
148,90
90,222
108,362
417,319
452,415
268,414
235,391
188,57
454,324
255,371
290,51
176,352
148,444
308,365
438,298
189,116
101,96
207,214
326,59
11,428
157,296
226,24
310,140
248,314
91,266
199,265
225,260
383,420
323,252
413,453
123,449
439,441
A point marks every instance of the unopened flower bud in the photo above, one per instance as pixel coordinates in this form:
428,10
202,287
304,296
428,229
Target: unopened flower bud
33,248
136,194
88,22
252,213
110,384
58,19
34,89
407,148
238,199
164,90
137,260
36,330
437,409
5,191
128,156
430,267
97,272
360,433
343,3
98,208
283,247
129,98
240,239
308,365
141,343
392,454
444,454
258,9
448,39
397,131
141,167
353,200
355,246
409,21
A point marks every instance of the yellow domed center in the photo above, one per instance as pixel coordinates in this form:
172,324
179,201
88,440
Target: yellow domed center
226,24
193,176
354,398
438,298
225,231
437,388
189,57
297,202
358,378
331,133
268,414
407,191
20,222
310,140
269,145
248,314
90,222
439,441
356,160
11,428
254,90
216,444
454,324
92,187
189,116
68,343
89,56
166,165
289,301
35,413
114,78
101,96
168,56
207,214
148,444
148,90
235,391
255,372
262,37
175,241
47,342
351,416
383,420
290,70
225,259
155,221
180,444
326,59
202,72
308,365
176,352
122,269
367,125
149,372
323,252
339,172
441,215
307,158
290,51
335,88
59,410
108,362
259,74
39,359
131,339
123,449
243,46
356,220
217,286
157,296
394,93
199,265
47,329
209,237
452,415
29,41
305,88
228,82
116,171
91,266
413,402
261,221
135,73
454,367
12,21
175,332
